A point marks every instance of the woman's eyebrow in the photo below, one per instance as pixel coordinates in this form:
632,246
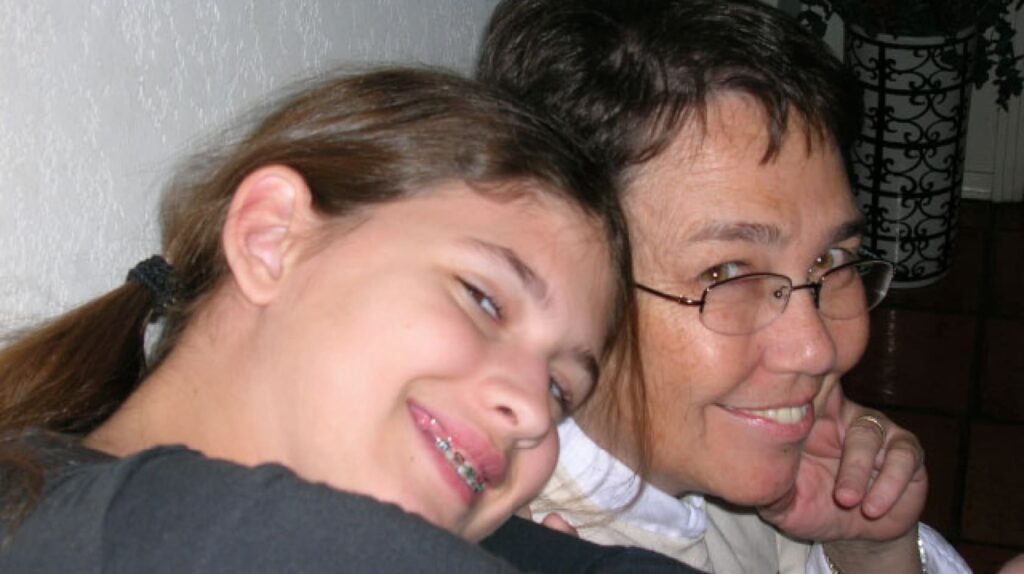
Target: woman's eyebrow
764,233
761,233
531,282
851,228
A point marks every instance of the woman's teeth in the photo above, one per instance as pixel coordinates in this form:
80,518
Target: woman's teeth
458,462
784,415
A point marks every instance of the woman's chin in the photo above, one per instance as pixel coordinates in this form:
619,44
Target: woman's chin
755,498
758,487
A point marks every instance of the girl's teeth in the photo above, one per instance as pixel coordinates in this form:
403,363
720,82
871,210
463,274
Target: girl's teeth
458,462
785,415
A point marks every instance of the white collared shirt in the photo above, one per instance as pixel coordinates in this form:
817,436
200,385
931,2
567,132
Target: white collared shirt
591,479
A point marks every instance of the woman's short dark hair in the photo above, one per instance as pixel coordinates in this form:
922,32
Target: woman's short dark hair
625,77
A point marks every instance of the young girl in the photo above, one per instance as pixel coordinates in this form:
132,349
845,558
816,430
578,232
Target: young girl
394,286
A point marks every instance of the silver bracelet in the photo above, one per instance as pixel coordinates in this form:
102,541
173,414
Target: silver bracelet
921,553
922,556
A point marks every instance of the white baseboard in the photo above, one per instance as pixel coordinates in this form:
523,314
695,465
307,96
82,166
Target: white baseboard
1008,162
977,185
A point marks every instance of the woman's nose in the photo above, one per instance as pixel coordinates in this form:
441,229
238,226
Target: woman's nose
800,340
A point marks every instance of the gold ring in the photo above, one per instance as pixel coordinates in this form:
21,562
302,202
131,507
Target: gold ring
874,422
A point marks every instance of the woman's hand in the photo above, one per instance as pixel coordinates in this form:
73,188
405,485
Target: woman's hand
858,481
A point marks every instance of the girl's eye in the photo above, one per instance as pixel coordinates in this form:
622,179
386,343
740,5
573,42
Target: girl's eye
483,300
721,272
560,395
831,259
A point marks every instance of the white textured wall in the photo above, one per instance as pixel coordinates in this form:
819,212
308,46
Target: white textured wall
100,98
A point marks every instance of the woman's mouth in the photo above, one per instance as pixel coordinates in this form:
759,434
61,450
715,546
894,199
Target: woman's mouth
782,423
782,415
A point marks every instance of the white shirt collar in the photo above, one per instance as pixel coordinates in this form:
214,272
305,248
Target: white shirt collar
610,485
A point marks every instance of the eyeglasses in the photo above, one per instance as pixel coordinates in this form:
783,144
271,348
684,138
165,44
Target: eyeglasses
744,304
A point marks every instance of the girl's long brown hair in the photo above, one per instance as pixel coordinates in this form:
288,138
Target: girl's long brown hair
358,140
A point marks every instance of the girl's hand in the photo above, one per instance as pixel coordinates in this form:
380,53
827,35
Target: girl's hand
554,521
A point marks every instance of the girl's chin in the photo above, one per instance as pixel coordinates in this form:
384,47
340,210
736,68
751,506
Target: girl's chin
476,531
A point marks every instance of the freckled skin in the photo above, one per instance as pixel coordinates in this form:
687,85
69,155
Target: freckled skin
695,376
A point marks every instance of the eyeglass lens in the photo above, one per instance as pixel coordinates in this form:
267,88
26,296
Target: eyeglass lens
745,304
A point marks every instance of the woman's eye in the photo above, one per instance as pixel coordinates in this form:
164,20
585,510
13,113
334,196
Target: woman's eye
483,300
721,272
560,395
831,259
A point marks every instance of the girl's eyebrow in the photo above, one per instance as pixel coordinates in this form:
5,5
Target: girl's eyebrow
531,282
588,361
535,285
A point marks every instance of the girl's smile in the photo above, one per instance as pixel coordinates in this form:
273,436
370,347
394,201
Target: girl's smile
471,464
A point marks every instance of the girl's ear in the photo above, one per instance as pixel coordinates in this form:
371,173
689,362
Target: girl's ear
270,214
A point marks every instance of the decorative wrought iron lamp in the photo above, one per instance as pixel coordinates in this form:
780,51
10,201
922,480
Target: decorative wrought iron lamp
917,62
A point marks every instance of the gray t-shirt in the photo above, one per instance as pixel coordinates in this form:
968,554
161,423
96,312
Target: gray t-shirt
172,510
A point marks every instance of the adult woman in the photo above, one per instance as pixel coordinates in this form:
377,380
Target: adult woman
723,124
361,296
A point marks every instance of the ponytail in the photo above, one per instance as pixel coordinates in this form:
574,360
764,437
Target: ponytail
72,372
68,375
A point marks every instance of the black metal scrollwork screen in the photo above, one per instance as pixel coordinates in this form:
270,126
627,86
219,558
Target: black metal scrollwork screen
908,160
